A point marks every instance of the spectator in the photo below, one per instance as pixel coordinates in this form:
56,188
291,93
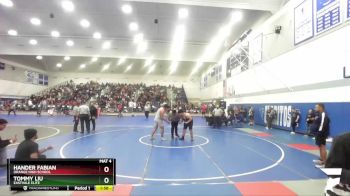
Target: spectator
120,110
29,149
251,116
147,109
39,109
131,107
224,118
321,124
230,117
217,116
13,108
4,143
295,118
204,109
93,116
309,121
270,116
339,159
76,117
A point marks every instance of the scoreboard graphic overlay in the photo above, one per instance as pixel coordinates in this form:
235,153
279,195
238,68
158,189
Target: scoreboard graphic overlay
61,174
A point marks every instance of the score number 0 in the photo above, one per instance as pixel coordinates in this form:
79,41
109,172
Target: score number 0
106,170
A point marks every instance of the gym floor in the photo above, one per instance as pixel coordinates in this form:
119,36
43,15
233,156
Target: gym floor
226,161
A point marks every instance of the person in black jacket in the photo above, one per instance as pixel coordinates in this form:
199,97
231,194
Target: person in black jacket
93,116
4,143
270,117
339,158
309,121
295,118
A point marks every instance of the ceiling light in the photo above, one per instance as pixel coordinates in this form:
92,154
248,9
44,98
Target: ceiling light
94,59
178,42
177,47
142,47
82,66
121,60
151,69
105,67
133,26
33,42
138,38
55,33
97,35
85,23
59,65
39,57
224,31
173,66
127,9
106,45
148,61
128,68
196,67
35,21
7,3
183,13
236,16
66,58
70,43
67,6
12,32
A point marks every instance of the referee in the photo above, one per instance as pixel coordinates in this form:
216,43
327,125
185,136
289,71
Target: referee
84,115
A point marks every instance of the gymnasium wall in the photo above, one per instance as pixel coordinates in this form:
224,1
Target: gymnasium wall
285,67
336,100
300,78
13,81
292,76
338,114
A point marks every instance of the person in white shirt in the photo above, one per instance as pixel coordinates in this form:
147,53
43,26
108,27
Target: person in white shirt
147,109
84,115
217,112
158,121
131,107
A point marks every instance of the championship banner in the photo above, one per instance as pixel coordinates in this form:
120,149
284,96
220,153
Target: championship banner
33,77
348,10
255,49
327,15
303,22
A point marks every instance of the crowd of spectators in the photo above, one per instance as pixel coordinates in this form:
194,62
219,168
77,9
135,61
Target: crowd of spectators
216,116
108,96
